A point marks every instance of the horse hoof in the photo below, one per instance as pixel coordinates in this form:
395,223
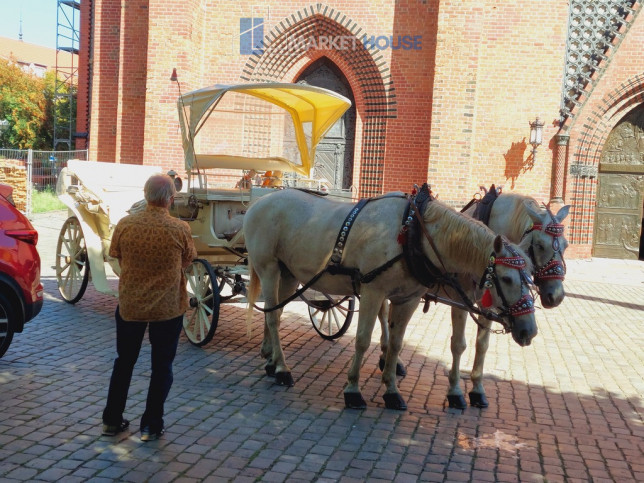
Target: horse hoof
270,370
354,400
457,402
400,369
478,400
284,379
394,401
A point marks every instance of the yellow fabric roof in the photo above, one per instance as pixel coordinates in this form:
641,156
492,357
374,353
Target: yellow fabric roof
305,104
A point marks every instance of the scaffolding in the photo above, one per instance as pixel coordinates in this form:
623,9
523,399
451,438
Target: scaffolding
66,84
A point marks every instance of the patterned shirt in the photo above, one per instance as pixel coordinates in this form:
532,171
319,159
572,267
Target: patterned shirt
153,248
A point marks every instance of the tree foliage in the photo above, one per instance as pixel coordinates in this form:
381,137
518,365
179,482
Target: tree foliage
26,103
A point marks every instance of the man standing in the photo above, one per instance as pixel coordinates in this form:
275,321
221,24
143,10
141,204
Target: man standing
153,249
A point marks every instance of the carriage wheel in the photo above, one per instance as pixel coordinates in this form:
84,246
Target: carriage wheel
331,317
72,265
224,284
200,320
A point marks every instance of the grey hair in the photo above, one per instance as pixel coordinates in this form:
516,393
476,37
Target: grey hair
158,190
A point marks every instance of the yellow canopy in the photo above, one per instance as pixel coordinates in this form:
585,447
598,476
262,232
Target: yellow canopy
314,106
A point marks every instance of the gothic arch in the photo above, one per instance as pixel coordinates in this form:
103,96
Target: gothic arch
297,41
592,137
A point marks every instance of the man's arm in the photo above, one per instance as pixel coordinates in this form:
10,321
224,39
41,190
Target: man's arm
115,245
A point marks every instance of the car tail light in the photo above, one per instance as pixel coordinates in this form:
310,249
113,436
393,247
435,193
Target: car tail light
27,236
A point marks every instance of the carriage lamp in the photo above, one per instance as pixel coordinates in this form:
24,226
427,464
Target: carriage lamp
536,136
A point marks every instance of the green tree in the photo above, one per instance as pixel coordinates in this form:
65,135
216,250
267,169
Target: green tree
26,103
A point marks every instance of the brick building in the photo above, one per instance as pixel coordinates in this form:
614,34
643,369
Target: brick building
443,91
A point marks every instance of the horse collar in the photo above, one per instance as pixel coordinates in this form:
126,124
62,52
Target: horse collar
484,206
421,267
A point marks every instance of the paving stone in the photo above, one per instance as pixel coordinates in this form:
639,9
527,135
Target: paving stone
560,409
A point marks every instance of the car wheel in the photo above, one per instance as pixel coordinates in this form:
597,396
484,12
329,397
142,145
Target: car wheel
7,323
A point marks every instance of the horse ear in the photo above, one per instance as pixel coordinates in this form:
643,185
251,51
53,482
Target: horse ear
563,213
498,244
533,211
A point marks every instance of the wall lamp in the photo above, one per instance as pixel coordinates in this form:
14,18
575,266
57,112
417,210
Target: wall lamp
536,136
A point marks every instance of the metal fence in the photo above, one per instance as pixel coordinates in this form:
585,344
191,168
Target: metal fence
41,168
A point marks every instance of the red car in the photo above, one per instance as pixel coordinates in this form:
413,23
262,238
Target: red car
21,293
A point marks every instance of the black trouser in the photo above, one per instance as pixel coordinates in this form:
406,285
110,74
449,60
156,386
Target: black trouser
164,339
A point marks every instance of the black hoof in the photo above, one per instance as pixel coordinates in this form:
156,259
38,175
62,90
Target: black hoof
270,370
400,369
478,400
457,402
394,401
354,400
284,379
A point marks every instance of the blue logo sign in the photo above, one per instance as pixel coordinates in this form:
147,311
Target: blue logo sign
251,36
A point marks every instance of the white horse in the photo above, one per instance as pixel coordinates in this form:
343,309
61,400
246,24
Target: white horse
292,237
540,234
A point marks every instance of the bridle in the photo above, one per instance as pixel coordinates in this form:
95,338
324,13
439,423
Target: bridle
553,269
525,304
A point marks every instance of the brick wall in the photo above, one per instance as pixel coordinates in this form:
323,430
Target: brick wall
456,112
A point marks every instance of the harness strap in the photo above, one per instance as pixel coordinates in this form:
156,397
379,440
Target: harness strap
334,266
338,249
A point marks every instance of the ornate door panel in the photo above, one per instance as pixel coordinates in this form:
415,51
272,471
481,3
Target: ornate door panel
618,219
620,191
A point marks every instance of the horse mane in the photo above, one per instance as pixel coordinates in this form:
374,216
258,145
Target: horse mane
518,220
459,236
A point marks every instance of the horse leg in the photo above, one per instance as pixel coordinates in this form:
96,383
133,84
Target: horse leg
369,307
383,317
270,278
287,286
400,315
477,394
455,396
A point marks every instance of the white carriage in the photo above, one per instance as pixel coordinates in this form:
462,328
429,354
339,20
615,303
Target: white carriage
240,142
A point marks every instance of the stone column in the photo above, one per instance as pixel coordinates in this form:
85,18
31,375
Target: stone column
559,169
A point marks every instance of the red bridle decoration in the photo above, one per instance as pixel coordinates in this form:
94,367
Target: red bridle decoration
512,262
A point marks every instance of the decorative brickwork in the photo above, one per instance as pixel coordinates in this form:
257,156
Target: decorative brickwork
595,29
593,134
288,49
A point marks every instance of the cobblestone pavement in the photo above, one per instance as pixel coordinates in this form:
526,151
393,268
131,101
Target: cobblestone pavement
567,408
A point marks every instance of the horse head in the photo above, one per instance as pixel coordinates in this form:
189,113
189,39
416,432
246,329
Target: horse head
546,245
506,291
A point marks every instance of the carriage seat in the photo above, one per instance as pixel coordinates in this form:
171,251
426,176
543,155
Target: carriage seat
272,179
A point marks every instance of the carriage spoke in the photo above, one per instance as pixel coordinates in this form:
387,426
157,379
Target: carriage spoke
200,321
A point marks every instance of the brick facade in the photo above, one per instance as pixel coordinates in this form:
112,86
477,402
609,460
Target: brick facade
454,111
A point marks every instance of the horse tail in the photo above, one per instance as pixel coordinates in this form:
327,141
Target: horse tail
254,286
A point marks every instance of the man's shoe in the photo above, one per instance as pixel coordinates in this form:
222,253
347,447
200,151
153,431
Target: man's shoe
113,430
147,435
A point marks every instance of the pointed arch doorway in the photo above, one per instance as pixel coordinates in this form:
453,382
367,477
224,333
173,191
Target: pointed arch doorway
620,191
334,155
